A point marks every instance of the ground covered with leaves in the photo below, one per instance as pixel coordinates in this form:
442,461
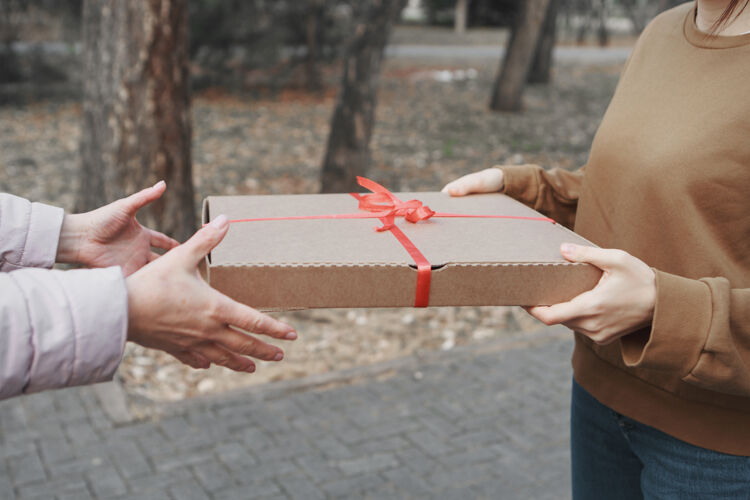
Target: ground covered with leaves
433,125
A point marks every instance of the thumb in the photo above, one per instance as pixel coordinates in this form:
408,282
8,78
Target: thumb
600,257
205,240
463,186
138,200
484,181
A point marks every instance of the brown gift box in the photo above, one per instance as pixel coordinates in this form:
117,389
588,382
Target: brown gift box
325,263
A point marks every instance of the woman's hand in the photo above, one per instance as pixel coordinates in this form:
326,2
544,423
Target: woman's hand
172,309
111,235
489,180
621,303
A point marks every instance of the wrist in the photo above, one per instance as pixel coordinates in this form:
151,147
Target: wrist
142,298
651,296
132,331
72,237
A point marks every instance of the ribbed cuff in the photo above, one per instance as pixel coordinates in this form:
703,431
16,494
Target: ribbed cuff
679,329
42,237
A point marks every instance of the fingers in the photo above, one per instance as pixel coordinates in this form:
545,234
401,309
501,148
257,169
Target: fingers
152,256
218,355
138,200
192,359
563,312
552,315
248,319
159,240
204,240
246,345
486,181
603,258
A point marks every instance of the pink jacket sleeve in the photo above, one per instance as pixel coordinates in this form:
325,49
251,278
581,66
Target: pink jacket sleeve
57,328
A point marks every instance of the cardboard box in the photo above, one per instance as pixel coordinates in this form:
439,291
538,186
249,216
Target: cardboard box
331,263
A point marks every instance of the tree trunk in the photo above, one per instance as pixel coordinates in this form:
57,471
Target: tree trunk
348,152
462,8
586,7
11,14
136,108
603,32
640,12
635,12
541,66
312,37
508,88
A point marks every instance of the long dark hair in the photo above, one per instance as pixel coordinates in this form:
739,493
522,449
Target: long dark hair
730,13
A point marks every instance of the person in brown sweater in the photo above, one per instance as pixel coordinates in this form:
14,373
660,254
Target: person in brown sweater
661,392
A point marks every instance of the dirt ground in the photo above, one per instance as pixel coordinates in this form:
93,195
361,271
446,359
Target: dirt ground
428,132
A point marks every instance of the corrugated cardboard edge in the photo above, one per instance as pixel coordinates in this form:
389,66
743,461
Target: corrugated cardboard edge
396,264
204,268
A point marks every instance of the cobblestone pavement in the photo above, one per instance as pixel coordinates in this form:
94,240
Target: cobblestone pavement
484,421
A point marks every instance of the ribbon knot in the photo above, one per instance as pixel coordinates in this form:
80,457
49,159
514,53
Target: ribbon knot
387,206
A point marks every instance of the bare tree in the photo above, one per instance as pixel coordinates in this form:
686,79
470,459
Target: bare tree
602,32
508,89
348,152
541,66
461,14
641,12
12,12
136,108
312,37
586,8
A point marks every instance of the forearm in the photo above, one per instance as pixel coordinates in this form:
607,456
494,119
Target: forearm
701,330
60,329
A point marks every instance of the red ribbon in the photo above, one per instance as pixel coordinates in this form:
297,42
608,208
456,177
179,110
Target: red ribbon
413,211
383,201
384,205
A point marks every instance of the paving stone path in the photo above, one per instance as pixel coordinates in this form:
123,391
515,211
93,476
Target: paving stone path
483,421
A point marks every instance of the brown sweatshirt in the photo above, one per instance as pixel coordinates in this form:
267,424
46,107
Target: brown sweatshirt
668,181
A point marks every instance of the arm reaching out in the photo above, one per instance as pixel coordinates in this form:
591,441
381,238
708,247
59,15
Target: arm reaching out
63,328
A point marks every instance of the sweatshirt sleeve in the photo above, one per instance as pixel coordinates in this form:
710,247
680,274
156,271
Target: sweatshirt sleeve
701,330
552,192
29,233
60,328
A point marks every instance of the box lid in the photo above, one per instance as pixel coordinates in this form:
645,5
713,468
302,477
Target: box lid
443,241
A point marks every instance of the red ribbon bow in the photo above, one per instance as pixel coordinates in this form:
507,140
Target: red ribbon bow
387,206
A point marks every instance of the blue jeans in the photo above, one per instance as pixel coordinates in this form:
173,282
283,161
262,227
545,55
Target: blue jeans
614,457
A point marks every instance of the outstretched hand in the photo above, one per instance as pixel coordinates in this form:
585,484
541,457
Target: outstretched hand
621,303
172,309
111,235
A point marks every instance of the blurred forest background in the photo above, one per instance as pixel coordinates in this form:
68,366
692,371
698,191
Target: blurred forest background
99,98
